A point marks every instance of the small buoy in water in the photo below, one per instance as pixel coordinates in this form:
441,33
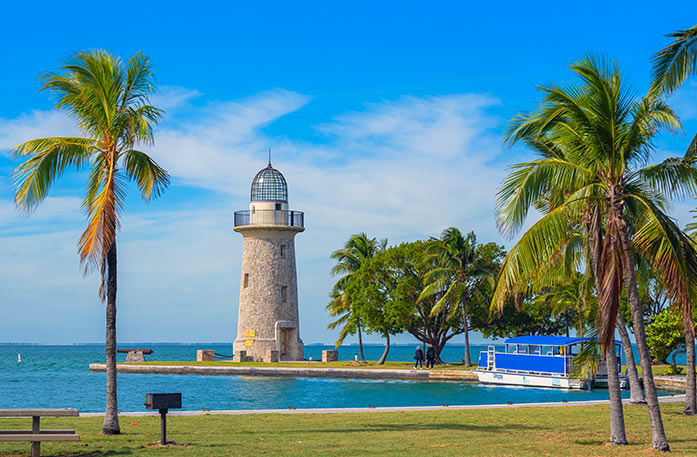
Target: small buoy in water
310,359
19,357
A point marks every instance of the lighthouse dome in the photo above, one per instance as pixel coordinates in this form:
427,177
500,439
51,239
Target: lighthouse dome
269,185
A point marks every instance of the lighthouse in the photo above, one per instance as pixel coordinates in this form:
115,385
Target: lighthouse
267,324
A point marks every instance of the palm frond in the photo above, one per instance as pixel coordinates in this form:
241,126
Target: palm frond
148,175
676,62
47,159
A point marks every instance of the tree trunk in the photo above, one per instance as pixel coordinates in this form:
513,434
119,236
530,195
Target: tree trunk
617,432
658,434
111,416
383,357
635,389
468,361
360,340
690,394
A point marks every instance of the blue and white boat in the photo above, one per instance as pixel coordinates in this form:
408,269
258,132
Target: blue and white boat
539,361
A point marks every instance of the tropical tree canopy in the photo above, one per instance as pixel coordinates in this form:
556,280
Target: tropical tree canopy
109,101
594,140
349,259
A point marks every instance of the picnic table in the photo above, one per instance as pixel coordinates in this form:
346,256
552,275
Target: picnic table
36,435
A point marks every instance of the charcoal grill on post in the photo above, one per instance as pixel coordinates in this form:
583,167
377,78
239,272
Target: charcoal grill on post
163,402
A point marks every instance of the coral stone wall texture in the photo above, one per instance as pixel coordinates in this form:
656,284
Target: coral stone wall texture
268,307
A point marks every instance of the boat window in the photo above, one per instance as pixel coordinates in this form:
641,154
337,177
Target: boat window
534,349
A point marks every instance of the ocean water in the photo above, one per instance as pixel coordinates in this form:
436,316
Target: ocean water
59,377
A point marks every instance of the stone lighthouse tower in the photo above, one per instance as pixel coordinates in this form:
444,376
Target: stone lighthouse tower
267,325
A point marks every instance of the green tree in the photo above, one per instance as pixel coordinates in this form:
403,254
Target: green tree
109,101
595,142
459,272
370,291
525,318
568,300
671,67
406,266
664,335
349,259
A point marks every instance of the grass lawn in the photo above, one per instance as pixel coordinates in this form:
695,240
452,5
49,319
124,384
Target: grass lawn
339,364
569,431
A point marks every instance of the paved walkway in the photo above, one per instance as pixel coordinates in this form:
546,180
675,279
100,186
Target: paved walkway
381,409
300,371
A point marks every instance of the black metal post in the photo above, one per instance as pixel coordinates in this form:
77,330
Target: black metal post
163,427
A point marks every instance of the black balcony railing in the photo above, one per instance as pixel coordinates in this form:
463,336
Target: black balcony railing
270,217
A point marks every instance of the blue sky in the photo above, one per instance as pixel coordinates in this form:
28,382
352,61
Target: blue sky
384,118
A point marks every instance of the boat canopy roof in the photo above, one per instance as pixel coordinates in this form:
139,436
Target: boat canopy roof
541,340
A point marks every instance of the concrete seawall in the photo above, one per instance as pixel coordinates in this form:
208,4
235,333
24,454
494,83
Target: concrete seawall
377,373
671,383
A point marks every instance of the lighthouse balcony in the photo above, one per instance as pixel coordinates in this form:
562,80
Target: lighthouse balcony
270,217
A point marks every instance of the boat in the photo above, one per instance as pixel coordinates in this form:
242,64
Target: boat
541,361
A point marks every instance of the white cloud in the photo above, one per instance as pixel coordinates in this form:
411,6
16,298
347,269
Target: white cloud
172,97
37,124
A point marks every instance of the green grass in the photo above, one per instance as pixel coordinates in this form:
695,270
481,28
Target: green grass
534,432
340,364
659,370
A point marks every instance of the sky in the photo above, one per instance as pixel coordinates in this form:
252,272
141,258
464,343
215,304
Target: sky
384,117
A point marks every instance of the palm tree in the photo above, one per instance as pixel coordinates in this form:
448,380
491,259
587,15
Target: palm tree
594,139
458,273
349,259
109,101
671,67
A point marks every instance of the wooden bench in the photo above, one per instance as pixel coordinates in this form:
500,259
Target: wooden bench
36,435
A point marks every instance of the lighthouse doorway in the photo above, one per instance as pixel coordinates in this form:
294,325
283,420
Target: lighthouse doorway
285,335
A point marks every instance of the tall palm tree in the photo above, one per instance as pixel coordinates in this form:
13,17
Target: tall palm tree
349,259
595,142
671,67
109,101
458,273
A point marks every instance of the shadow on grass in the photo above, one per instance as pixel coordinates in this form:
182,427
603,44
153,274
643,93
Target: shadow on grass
101,453
412,428
590,442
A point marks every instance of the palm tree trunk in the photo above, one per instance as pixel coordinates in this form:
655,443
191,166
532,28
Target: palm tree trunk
383,357
360,340
468,361
658,434
617,432
111,416
635,389
690,388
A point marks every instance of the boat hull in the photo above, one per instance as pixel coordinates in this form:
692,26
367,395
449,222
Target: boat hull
602,382
529,380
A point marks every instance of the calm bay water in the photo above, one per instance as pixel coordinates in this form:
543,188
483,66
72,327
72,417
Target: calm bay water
58,376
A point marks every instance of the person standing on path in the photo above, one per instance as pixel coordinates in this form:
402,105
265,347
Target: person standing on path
430,356
419,357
